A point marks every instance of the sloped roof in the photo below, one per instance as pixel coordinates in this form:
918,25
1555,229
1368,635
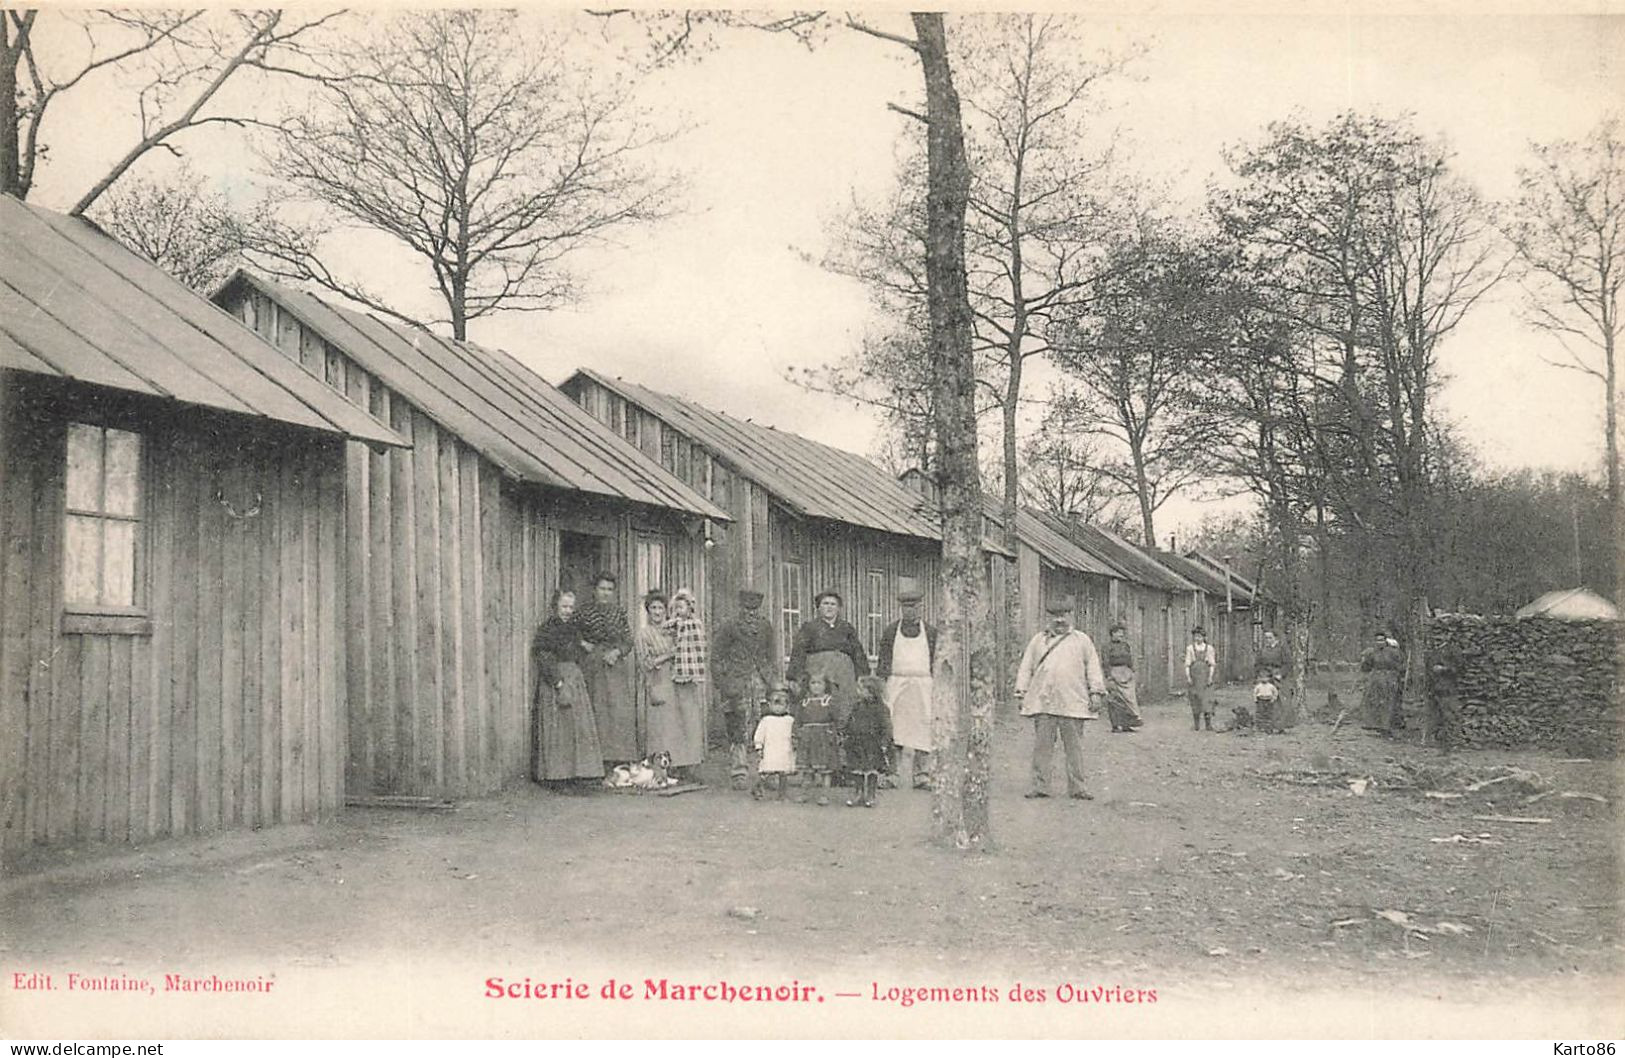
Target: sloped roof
504,410
1216,566
812,479
1132,563
74,303
1572,604
1210,581
1047,536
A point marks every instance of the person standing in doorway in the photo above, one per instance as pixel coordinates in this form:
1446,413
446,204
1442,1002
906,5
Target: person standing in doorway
1201,665
1060,685
905,658
608,639
745,663
566,737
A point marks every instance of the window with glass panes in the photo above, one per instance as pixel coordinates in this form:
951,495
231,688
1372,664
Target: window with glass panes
790,596
875,617
101,541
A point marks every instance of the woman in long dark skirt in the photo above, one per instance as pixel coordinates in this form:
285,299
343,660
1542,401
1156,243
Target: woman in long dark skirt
1383,665
567,751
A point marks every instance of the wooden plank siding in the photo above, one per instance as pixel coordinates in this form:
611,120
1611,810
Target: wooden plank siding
152,724
449,566
751,551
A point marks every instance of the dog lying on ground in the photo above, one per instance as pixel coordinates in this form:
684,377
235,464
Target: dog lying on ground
650,773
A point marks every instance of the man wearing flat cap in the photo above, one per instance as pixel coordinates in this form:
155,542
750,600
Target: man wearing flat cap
904,658
1061,686
744,662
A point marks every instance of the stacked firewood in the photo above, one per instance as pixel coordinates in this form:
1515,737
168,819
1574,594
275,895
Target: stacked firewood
1537,681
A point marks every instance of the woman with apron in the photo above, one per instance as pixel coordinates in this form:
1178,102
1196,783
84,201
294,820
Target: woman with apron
1383,665
610,679
1122,701
566,731
687,634
656,655
829,646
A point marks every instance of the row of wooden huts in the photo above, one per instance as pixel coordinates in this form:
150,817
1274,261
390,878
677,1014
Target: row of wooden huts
247,571
262,555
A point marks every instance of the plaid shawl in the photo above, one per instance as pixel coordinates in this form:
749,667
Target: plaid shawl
688,636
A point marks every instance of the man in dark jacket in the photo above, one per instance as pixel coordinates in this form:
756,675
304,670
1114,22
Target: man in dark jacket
1445,666
744,662
905,658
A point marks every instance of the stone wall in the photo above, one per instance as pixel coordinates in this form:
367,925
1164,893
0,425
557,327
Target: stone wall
1537,682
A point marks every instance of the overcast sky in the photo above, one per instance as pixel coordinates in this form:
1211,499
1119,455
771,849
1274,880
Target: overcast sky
717,303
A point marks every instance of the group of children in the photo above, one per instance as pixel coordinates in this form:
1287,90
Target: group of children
814,740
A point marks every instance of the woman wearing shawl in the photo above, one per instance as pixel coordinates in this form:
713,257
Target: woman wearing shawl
566,731
608,670
687,634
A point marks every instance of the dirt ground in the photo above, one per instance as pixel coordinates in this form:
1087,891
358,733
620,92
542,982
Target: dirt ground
1296,866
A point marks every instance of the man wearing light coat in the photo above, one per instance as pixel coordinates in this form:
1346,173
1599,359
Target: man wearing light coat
1061,686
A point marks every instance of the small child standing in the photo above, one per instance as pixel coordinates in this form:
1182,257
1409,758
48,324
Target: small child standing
867,740
815,736
775,744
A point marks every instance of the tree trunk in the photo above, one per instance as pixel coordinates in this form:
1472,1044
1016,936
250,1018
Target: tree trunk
1143,492
1611,421
10,146
964,691
1010,639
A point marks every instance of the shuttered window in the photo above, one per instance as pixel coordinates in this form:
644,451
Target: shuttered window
101,540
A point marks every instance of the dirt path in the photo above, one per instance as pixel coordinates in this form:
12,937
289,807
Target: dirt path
1204,859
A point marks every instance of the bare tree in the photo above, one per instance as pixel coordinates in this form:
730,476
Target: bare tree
1037,213
1369,251
481,148
965,677
1568,227
187,230
1130,358
181,61
1060,470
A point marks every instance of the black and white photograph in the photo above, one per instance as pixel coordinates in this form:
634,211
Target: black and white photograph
629,523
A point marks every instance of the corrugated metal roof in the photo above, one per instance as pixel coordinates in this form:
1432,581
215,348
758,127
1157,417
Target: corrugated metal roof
76,304
812,479
493,402
1035,530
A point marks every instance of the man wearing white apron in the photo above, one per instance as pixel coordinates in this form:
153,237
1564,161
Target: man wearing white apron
905,655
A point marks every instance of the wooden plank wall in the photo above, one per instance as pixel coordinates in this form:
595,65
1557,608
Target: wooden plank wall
450,569
748,552
226,712
839,557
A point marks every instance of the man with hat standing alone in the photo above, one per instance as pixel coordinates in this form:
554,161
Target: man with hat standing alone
905,657
745,663
1060,685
